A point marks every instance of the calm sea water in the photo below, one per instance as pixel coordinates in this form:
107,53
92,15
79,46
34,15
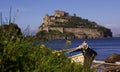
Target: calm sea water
103,46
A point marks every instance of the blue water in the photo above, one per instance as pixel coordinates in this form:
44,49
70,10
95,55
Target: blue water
103,46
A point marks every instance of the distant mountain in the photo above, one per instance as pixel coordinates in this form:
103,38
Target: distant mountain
68,26
116,35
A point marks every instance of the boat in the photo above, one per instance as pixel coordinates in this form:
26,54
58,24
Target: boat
86,57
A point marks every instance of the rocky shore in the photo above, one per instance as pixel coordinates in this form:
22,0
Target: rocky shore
111,64
114,58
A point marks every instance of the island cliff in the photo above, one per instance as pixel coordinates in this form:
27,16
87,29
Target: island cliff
62,25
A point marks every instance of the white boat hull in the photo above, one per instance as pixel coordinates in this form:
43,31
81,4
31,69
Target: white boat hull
79,58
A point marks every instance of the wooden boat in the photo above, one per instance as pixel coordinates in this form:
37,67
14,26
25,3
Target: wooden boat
86,57
79,58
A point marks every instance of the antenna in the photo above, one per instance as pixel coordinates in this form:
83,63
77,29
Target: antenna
15,15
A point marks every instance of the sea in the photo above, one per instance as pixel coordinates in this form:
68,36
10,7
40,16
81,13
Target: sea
103,46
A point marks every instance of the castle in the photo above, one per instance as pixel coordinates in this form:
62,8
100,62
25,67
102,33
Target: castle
52,22
57,17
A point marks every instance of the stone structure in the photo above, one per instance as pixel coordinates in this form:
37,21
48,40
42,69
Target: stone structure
50,20
59,13
56,17
79,31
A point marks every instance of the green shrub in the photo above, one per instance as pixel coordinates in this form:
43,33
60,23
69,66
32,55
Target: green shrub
18,54
23,56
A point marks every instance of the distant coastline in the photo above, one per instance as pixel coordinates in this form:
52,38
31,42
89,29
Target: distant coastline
116,35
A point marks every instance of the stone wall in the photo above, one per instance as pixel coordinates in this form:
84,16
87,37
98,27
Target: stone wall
84,32
57,28
49,19
59,13
78,32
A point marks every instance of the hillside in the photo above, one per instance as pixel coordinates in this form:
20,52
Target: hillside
70,26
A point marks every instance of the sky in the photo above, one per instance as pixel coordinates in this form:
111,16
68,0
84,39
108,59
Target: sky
31,12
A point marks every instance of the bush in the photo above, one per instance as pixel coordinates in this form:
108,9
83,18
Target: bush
20,55
23,56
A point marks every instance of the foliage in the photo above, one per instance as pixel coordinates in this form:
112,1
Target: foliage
68,42
20,55
76,22
11,30
23,56
52,34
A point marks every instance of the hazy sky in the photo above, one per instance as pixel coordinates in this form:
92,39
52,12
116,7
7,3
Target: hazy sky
31,12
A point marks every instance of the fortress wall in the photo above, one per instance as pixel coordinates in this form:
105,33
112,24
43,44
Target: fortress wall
91,33
57,28
79,32
72,30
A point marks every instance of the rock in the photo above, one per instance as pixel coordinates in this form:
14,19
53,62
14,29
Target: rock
80,28
112,69
113,58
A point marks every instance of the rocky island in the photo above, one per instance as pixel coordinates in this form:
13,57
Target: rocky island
61,25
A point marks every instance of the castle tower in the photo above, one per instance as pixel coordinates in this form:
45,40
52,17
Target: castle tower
46,19
59,13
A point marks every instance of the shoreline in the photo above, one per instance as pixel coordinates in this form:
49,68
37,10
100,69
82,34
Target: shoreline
102,66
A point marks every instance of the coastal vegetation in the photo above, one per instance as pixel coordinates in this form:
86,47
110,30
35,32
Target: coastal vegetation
53,34
21,54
